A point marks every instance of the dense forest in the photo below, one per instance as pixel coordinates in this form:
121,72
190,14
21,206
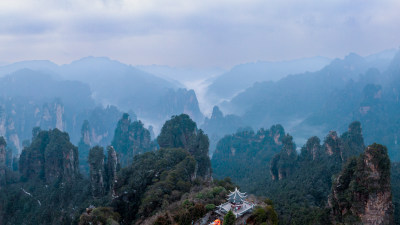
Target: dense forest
300,183
307,104
168,180
67,163
169,183
127,112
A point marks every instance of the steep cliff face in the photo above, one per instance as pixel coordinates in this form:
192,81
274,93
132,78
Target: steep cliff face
112,168
52,116
313,149
302,183
353,141
332,144
335,150
349,144
283,164
180,101
97,173
219,125
130,139
50,157
361,194
19,115
102,124
181,132
103,174
84,146
154,181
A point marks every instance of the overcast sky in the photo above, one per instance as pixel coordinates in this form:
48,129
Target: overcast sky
201,33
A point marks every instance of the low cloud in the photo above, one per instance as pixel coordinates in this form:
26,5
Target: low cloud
195,33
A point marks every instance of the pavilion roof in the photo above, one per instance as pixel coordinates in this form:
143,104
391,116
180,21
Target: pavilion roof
236,196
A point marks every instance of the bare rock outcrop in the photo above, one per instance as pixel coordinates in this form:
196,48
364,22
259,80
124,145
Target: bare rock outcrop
283,163
97,173
361,194
112,168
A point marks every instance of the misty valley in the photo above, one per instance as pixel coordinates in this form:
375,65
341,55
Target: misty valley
98,141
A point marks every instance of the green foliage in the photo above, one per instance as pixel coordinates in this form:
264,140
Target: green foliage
303,182
226,183
97,174
130,139
181,132
269,202
163,220
213,193
219,125
362,177
245,156
55,203
96,157
177,132
264,215
100,215
84,147
229,218
395,185
210,207
190,214
50,157
152,181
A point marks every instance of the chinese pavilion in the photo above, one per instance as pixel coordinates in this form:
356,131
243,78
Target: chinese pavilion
236,203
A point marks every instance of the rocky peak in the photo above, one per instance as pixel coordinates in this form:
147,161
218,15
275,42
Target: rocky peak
51,156
84,146
216,113
312,149
85,132
112,168
352,141
332,144
362,191
130,139
181,101
103,174
289,146
181,132
152,134
277,132
283,163
96,164
53,116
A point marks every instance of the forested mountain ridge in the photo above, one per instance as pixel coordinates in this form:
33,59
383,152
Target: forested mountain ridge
361,193
114,83
131,138
299,183
49,189
346,90
219,125
172,184
243,155
51,96
240,77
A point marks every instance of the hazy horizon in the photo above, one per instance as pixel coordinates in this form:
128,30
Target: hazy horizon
195,34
